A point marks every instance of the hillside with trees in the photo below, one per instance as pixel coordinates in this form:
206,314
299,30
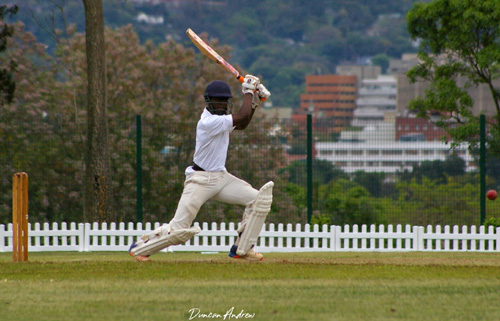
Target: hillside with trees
281,41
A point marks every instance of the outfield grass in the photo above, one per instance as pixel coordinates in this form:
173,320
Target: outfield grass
313,286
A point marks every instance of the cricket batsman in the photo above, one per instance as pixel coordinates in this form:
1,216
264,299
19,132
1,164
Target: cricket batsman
207,178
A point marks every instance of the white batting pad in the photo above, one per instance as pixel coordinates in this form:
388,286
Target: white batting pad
255,221
163,240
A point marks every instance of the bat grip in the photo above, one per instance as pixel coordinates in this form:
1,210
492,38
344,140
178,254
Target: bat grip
241,78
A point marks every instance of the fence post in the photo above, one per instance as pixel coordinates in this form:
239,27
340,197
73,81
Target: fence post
497,247
418,240
81,237
2,238
337,238
332,238
86,237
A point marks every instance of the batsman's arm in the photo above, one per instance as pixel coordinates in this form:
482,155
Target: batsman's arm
245,114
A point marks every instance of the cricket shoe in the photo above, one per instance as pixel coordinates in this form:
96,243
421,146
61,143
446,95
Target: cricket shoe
139,258
250,256
142,258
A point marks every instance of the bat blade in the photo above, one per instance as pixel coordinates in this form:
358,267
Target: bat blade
212,54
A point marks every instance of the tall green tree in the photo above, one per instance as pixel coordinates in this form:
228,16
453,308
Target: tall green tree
373,182
7,68
345,202
381,60
323,172
428,201
98,169
438,170
459,48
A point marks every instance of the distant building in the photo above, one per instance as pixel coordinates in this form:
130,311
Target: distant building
375,98
388,157
483,102
276,112
361,72
401,66
418,129
330,98
382,131
392,129
152,20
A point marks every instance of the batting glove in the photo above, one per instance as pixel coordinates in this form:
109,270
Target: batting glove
262,94
250,84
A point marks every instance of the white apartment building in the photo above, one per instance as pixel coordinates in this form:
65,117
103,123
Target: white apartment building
388,157
380,132
375,98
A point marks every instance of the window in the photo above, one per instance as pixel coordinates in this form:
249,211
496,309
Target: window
392,152
390,164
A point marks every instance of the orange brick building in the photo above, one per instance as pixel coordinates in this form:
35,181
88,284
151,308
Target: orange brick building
333,98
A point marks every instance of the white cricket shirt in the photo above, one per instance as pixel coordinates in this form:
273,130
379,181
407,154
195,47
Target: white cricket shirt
212,142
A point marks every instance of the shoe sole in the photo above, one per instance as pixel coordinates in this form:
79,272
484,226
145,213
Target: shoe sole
142,259
139,258
246,259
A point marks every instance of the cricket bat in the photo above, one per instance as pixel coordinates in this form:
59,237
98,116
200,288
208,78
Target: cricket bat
210,53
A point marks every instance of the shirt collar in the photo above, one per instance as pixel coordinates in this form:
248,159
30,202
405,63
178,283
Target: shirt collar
205,113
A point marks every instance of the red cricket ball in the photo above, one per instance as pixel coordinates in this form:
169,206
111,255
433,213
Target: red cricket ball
492,194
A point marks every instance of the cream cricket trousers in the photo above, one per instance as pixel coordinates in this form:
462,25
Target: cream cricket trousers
201,186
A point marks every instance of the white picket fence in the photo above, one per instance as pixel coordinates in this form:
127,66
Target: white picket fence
274,238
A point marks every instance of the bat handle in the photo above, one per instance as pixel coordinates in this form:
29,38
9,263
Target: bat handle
241,78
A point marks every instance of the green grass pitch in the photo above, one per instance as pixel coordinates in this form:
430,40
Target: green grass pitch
297,286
